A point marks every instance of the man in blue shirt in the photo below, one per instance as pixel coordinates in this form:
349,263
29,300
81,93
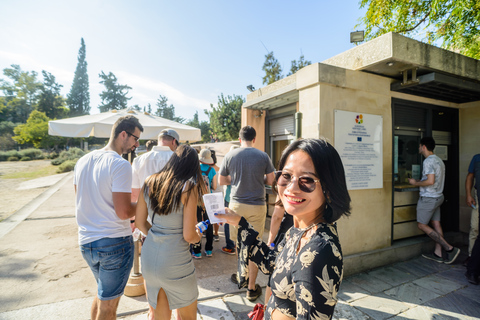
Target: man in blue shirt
473,266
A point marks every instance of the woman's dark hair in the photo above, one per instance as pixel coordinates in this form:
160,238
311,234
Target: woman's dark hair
329,169
165,188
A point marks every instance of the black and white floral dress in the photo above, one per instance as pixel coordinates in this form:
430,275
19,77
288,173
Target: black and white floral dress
304,284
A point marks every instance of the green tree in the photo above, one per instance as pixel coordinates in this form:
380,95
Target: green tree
148,108
114,97
225,118
78,99
50,100
21,93
204,127
272,68
165,111
454,24
35,131
6,133
297,65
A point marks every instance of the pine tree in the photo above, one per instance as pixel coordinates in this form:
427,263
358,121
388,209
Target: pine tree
114,97
272,68
78,99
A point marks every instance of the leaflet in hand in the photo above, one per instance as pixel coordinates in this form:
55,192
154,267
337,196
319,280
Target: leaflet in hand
214,204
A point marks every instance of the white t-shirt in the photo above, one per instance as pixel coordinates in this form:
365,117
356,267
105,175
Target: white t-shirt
433,165
97,175
148,164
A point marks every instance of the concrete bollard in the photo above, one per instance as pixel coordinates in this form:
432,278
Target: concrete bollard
135,285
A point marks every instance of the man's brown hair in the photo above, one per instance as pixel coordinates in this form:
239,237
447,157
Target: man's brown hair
127,124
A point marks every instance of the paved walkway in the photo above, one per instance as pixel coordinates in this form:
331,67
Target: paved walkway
43,276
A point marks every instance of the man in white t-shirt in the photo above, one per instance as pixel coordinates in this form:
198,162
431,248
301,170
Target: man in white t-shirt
103,207
431,198
153,161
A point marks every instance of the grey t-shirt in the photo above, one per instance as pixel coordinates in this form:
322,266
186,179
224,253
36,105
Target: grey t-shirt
247,167
433,165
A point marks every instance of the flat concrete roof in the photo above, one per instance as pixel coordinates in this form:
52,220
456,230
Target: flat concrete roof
392,53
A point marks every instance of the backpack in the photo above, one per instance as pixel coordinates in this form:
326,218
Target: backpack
206,180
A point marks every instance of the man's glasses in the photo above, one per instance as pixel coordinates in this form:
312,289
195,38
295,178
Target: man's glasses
131,134
306,184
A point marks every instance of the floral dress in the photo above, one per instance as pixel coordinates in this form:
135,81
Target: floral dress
304,284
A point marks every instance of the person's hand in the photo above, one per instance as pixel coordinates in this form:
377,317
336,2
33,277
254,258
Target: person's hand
412,181
229,217
470,200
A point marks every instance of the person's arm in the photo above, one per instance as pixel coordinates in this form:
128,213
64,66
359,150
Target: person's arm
124,208
141,215
269,177
214,182
224,180
190,232
275,221
257,251
135,194
468,189
425,183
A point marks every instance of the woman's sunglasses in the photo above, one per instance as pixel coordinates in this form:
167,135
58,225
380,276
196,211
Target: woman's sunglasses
306,184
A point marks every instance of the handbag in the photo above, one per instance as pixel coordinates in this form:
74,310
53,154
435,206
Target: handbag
257,313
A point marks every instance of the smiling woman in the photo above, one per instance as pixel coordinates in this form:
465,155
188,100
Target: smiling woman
307,266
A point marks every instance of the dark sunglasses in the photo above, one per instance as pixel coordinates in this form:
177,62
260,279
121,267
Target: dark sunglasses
306,184
131,134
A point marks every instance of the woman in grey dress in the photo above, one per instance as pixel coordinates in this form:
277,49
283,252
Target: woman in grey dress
170,198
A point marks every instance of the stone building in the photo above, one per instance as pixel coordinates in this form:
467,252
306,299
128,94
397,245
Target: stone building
412,89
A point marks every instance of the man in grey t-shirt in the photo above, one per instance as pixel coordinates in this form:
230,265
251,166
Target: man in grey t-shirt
248,170
431,198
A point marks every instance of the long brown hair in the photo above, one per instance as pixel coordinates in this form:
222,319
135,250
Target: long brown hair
165,188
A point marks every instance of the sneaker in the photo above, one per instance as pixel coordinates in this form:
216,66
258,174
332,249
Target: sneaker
253,295
452,255
234,278
433,257
228,251
208,253
197,255
471,278
216,237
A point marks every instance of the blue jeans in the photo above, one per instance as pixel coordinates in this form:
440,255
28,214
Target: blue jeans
226,229
110,260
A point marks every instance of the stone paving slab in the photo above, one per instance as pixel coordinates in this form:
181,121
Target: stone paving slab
380,306
457,303
366,282
412,293
350,292
418,313
438,284
344,311
392,276
215,310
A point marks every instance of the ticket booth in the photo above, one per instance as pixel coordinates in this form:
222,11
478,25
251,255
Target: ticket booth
411,122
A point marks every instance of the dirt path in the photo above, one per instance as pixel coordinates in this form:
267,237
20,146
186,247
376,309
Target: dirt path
12,199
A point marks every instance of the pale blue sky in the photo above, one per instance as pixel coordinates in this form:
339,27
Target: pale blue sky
189,51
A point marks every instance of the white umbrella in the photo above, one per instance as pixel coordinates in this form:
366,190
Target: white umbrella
100,125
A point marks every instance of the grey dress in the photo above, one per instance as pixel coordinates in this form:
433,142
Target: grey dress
166,260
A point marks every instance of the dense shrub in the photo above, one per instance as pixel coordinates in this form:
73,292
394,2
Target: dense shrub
32,153
12,159
71,154
67,166
52,155
25,159
4,155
